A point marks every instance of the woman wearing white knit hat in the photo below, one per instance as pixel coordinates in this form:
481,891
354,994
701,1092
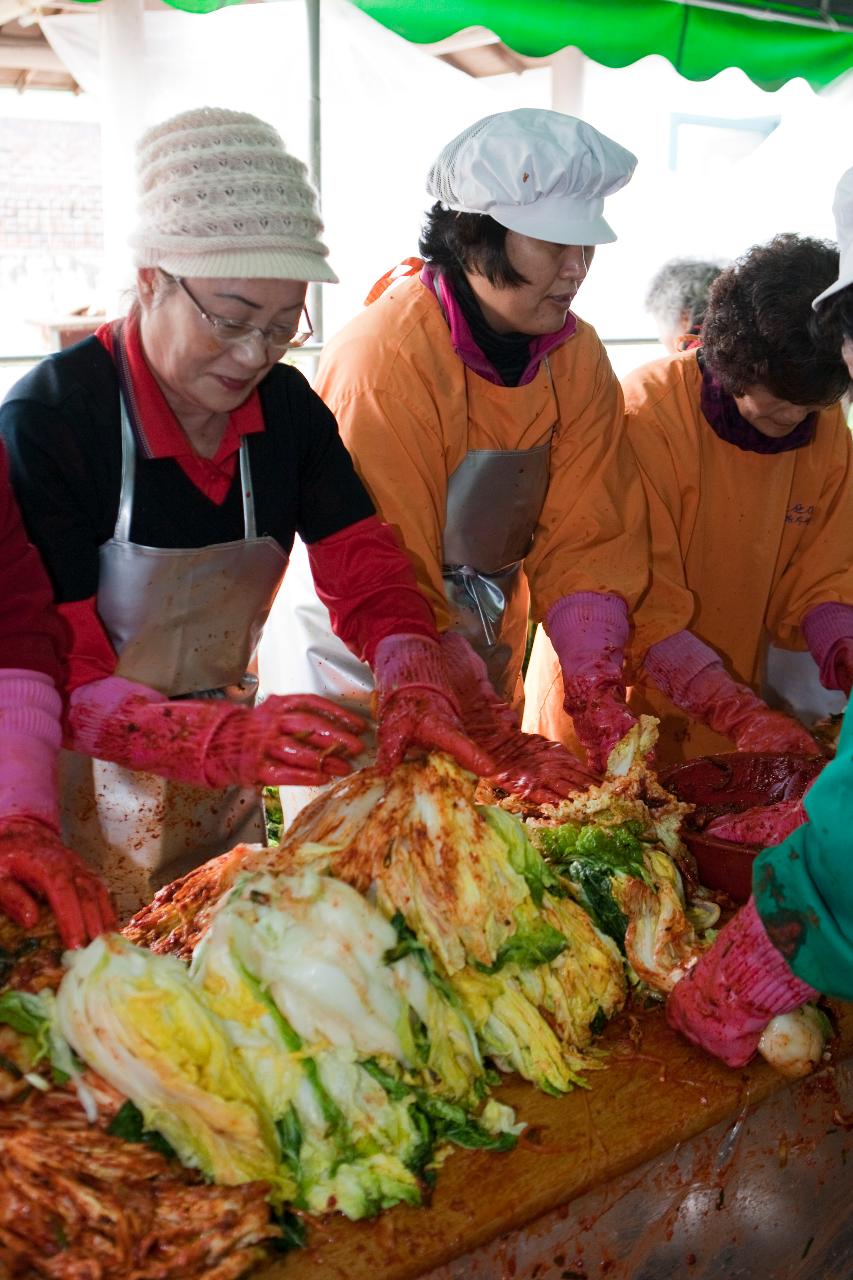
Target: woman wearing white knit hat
487,424
163,467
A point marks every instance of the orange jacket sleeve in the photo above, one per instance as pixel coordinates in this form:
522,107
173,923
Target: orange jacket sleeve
593,529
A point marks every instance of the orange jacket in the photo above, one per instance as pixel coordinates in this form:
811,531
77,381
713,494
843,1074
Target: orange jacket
408,410
748,542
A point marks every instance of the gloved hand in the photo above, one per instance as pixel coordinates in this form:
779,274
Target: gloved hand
726,1000
527,764
765,825
298,740
416,706
34,860
693,677
757,728
600,716
841,660
828,631
589,631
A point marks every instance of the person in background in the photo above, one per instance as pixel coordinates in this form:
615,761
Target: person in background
677,297
794,938
746,463
162,467
34,863
487,424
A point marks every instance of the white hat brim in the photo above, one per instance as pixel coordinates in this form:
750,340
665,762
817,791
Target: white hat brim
546,220
842,282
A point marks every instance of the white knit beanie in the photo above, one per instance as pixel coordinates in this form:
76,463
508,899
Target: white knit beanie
219,196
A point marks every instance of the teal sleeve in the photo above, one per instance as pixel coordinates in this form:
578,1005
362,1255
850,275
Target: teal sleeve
803,888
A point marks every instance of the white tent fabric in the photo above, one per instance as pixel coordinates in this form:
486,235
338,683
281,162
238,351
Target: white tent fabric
387,109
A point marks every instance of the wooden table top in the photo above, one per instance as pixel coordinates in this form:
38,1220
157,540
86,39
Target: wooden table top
654,1091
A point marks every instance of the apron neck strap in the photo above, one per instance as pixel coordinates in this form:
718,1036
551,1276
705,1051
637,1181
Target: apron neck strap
128,410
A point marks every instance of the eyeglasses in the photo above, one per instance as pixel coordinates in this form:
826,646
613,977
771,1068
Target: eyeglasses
277,338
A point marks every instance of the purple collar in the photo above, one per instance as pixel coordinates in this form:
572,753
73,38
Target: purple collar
465,346
722,415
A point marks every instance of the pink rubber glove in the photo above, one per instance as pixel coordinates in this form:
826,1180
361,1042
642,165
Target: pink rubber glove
828,630
693,677
765,825
727,999
589,632
528,764
842,666
287,741
33,860
417,708
30,738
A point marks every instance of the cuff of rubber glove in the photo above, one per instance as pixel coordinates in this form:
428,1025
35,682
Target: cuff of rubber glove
674,662
92,705
589,631
410,661
755,970
824,628
146,732
30,737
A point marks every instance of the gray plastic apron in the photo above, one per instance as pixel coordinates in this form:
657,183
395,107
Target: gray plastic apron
494,498
184,622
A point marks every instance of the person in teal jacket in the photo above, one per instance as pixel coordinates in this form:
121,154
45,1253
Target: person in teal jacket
794,938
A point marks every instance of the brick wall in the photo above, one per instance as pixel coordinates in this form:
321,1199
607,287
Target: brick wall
51,226
50,196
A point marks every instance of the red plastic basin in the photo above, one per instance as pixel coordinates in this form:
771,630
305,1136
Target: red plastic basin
730,784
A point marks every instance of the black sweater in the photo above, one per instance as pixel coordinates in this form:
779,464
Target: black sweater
62,428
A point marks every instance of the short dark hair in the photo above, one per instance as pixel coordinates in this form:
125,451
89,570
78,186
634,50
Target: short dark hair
474,242
759,328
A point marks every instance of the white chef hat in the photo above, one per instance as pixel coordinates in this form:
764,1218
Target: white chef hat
540,173
842,207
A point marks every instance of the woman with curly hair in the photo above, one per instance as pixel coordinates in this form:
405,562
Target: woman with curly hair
746,463
794,938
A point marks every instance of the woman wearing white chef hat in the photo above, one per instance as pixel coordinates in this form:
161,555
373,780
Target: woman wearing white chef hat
487,424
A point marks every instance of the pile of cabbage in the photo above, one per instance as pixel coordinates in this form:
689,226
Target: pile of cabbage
355,993
296,1048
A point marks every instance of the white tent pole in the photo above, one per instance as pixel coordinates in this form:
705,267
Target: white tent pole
121,41
567,77
315,147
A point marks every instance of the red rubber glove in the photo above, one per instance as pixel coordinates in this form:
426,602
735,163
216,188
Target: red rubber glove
693,677
765,825
298,740
33,860
600,716
417,708
727,999
589,631
528,764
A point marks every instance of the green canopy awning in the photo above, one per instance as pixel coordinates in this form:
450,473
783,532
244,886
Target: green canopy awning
771,41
